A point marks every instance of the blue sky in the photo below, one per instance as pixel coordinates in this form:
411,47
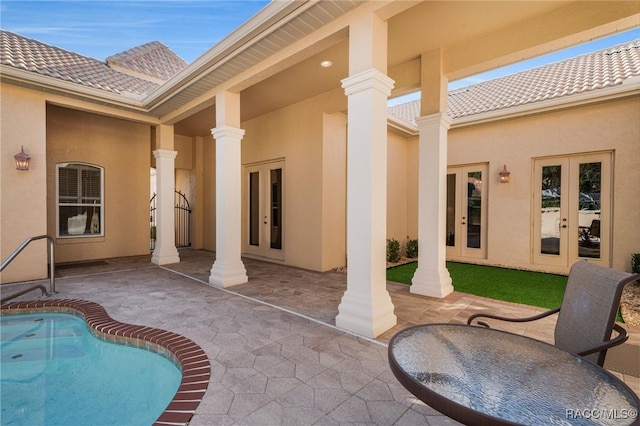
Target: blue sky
99,29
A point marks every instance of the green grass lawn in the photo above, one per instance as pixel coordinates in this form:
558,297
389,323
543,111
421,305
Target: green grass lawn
509,285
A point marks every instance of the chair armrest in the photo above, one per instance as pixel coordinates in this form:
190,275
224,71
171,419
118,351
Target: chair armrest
497,317
618,340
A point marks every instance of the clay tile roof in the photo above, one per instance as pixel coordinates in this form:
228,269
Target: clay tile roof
605,68
153,59
31,55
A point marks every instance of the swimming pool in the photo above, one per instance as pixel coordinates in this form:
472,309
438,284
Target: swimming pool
57,368
53,371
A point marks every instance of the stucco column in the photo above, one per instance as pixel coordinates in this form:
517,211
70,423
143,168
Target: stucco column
432,277
366,306
228,269
165,251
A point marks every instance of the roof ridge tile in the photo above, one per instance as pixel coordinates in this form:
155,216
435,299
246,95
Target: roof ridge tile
35,56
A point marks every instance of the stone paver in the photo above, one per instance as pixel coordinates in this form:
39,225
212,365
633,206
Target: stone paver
276,356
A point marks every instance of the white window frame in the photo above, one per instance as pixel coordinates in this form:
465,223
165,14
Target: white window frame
90,207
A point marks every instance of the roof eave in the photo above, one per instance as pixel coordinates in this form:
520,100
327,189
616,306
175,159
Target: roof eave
51,84
233,44
629,87
402,127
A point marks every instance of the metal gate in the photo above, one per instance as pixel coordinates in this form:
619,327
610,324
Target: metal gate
182,221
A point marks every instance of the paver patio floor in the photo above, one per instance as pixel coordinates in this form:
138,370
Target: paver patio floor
276,356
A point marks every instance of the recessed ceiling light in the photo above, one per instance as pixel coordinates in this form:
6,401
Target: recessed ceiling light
326,64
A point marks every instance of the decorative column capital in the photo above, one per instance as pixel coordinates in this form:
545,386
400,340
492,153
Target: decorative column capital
225,131
368,79
164,153
439,118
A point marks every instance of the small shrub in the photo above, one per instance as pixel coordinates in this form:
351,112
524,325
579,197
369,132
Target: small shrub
393,250
412,248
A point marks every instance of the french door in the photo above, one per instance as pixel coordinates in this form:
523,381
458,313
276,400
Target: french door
263,189
572,209
467,211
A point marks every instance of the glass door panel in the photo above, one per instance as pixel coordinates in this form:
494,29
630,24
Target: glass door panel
550,211
276,209
466,212
263,222
474,209
254,208
589,207
451,210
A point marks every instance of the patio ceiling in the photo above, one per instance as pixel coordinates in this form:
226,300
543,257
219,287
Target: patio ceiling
288,87
474,36
275,28
477,36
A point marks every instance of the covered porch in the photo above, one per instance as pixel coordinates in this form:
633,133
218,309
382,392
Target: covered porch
336,163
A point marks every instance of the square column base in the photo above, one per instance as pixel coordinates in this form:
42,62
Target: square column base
224,274
368,318
431,282
165,257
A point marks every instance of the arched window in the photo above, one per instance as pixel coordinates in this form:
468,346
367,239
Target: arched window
80,200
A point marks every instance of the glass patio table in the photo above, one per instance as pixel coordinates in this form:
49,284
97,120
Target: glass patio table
478,375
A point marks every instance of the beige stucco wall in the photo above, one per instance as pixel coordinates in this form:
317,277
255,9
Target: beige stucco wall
195,178
334,191
397,188
185,176
296,134
209,193
626,207
184,146
412,186
122,148
23,204
610,126
311,137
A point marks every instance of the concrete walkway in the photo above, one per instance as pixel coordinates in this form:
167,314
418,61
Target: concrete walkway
276,356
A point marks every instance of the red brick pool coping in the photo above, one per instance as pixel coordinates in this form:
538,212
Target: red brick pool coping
190,357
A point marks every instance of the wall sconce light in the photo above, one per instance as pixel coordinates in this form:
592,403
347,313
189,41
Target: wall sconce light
22,160
504,175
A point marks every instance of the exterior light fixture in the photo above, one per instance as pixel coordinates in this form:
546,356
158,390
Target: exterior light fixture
326,64
22,160
504,175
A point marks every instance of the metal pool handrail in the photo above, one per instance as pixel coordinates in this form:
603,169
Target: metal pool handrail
52,268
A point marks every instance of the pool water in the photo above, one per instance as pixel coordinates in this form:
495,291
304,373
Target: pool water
53,371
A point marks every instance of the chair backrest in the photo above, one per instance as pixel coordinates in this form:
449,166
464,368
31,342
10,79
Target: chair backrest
589,307
594,229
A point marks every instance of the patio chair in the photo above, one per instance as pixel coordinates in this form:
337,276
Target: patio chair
588,311
590,236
